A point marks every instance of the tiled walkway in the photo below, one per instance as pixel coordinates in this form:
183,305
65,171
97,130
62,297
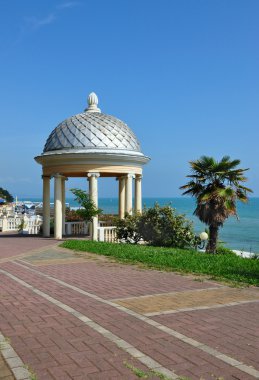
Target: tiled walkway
76,316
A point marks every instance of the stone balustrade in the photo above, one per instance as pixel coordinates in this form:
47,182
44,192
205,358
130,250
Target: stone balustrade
107,234
27,225
76,228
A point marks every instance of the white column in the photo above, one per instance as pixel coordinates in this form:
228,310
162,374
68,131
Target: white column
93,193
58,206
128,193
138,194
63,184
121,197
46,206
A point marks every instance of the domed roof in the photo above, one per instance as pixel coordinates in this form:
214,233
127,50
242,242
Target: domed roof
92,130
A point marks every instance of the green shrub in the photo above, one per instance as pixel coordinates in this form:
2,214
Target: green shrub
162,226
222,250
73,216
158,226
110,219
128,229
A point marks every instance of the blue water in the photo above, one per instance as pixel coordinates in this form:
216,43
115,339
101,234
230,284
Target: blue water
240,234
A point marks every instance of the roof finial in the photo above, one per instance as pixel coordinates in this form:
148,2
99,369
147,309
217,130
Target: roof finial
92,101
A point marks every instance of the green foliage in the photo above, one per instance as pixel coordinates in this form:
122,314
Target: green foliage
52,227
222,250
128,229
162,226
88,209
137,372
32,374
216,186
148,374
21,225
158,226
6,195
219,267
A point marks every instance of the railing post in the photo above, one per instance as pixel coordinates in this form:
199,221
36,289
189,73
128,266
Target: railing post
4,227
101,233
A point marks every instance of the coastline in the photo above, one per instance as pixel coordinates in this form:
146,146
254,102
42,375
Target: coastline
241,235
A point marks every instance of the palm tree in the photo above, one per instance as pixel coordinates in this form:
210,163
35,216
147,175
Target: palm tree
216,186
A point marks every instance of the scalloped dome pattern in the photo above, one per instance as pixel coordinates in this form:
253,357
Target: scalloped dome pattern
90,131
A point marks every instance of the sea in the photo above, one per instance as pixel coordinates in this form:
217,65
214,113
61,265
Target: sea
241,234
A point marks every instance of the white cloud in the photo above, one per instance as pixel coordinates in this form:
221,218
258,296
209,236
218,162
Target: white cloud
37,23
31,24
68,4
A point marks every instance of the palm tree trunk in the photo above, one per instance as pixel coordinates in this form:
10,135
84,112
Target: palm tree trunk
213,238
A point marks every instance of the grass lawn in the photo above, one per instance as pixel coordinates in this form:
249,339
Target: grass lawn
219,267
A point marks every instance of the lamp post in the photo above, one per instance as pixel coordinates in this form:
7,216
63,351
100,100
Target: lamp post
203,238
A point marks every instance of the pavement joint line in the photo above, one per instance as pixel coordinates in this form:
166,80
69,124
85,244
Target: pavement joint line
165,294
175,311
192,342
13,360
130,349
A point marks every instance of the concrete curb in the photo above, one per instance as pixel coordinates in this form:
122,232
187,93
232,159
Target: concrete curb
14,362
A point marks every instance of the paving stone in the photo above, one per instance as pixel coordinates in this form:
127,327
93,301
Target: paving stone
58,345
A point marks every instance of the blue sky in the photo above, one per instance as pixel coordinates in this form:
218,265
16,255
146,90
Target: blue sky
183,74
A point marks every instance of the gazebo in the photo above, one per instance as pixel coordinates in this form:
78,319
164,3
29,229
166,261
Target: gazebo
91,145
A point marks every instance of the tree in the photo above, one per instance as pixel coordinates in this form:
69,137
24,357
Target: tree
88,208
6,195
216,186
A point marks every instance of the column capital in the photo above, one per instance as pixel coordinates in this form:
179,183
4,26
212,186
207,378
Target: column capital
96,175
138,176
130,175
46,176
58,175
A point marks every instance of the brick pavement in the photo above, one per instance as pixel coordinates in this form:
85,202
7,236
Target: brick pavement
13,244
233,330
57,345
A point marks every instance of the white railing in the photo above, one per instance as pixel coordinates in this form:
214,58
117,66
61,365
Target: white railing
76,228
107,234
24,224
10,224
31,226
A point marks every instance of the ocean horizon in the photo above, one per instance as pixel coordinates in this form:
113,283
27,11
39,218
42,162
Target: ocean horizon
241,234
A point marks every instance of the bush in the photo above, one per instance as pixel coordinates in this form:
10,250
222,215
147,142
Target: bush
73,216
128,229
221,250
158,226
110,219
